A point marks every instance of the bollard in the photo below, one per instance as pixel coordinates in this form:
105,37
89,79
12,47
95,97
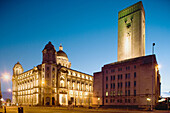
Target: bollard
4,109
20,109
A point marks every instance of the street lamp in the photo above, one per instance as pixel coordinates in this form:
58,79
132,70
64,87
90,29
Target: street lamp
98,100
152,73
9,90
148,101
6,77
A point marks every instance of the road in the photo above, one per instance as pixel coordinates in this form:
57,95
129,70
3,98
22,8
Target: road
75,110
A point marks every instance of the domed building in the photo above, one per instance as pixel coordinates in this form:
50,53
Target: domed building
62,58
51,83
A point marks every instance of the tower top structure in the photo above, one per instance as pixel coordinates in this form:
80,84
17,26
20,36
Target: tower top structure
131,32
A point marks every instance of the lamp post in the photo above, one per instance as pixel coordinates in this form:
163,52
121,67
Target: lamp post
152,74
98,101
148,100
6,77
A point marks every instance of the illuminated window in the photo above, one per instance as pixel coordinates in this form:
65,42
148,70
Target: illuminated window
87,88
82,76
82,86
73,85
78,86
61,83
90,88
106,93
86,77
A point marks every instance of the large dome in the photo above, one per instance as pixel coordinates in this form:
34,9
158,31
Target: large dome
61,53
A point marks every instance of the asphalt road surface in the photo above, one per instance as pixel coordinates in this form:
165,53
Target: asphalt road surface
41,109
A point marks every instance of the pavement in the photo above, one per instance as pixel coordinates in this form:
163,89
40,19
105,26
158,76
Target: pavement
41,109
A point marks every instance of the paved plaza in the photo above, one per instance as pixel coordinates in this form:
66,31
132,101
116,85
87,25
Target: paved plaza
73,110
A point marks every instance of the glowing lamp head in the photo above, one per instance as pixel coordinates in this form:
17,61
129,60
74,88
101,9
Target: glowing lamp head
43,82
5,76
148,99
98,98
9,90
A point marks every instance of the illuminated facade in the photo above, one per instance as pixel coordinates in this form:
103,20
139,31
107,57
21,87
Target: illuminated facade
51,83
128,83
134,80
131,32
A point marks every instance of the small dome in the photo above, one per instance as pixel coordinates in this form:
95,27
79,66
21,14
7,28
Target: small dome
49,46
61,53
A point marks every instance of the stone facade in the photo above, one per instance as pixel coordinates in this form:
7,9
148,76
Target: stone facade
134,80
51,83
131,32
128,83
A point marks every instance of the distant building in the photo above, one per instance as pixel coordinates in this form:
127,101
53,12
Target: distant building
134,80
51,83
128,83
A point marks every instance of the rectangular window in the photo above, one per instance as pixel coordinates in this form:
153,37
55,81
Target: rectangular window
134,74
121,77
128,92
118,77
128,84
106,86
107,78
125,92
125,100
111,77
121,93
134,83
114,77
114,93
118,85
106,101
126,76
111,93
134,92
106,94
111,86
110,100
121,84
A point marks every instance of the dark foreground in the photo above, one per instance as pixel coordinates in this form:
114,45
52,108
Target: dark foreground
73,110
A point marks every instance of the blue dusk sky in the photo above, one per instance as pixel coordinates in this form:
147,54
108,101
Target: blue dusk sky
87,29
